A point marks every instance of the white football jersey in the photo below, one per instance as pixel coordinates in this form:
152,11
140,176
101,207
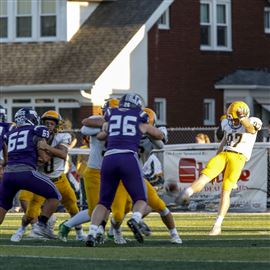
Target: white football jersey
96,146
56,166
238,140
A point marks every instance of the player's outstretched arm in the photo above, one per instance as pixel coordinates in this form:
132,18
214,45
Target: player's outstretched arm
93,121
152,131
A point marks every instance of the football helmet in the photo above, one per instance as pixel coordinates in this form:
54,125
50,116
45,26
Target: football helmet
3,115
237,106
152,116
54,116
130,101
111,103
26,116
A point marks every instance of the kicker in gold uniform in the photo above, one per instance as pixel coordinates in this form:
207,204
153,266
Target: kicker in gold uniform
240,132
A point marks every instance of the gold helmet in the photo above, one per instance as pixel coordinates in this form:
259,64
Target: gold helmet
237,106
111,103
54,116
152,116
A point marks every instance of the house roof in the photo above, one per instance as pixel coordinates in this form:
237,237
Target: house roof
81,60
243,77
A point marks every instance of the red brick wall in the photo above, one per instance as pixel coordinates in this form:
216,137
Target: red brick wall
184,75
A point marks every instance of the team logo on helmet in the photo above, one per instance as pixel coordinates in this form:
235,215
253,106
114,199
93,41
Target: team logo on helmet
151,115
3,115
26,116
130,101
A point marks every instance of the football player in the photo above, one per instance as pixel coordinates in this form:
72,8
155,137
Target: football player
57,147
91,174
122,201
123,128
4,128
240,132
20,172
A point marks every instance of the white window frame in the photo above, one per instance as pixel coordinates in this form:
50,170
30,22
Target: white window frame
61,24
5,16
266,29
162,120
166,18
213,25
211,103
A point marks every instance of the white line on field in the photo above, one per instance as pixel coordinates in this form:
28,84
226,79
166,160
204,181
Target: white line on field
123,260
149,240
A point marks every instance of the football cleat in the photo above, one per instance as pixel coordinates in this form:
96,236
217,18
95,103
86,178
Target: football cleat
18,235
80,235
43,230
135,228
100,238
118,237
51,222
145,228
90,241
63,231
175,239
182,199
216,230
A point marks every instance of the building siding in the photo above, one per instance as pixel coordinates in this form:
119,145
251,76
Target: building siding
183,74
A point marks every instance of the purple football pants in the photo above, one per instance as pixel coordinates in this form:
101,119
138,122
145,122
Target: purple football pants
29,180
125,167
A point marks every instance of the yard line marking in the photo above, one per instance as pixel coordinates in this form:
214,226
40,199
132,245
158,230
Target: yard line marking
119,259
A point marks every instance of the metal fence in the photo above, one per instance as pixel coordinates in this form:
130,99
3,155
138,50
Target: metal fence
187,135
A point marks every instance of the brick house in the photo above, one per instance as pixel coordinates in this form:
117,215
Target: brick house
185,58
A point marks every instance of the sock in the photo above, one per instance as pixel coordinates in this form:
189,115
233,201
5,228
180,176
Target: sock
173,231
103,224
93,230
110,232
189,191
22,229
43,219
78,228
79,218
219,221
100,229
137,216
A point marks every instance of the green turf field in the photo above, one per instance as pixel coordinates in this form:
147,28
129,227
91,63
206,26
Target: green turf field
244,244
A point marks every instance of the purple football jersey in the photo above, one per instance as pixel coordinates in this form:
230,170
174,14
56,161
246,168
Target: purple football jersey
22,144
123,128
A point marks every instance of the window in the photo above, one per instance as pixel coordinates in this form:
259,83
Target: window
209,112
24,18
164,20
160,109
267,20
3,19
32,20
215,25
48,18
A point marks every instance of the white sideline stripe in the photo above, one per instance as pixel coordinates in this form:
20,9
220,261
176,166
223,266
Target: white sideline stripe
148,240
126,260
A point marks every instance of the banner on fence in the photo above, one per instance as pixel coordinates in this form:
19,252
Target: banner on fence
182,167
